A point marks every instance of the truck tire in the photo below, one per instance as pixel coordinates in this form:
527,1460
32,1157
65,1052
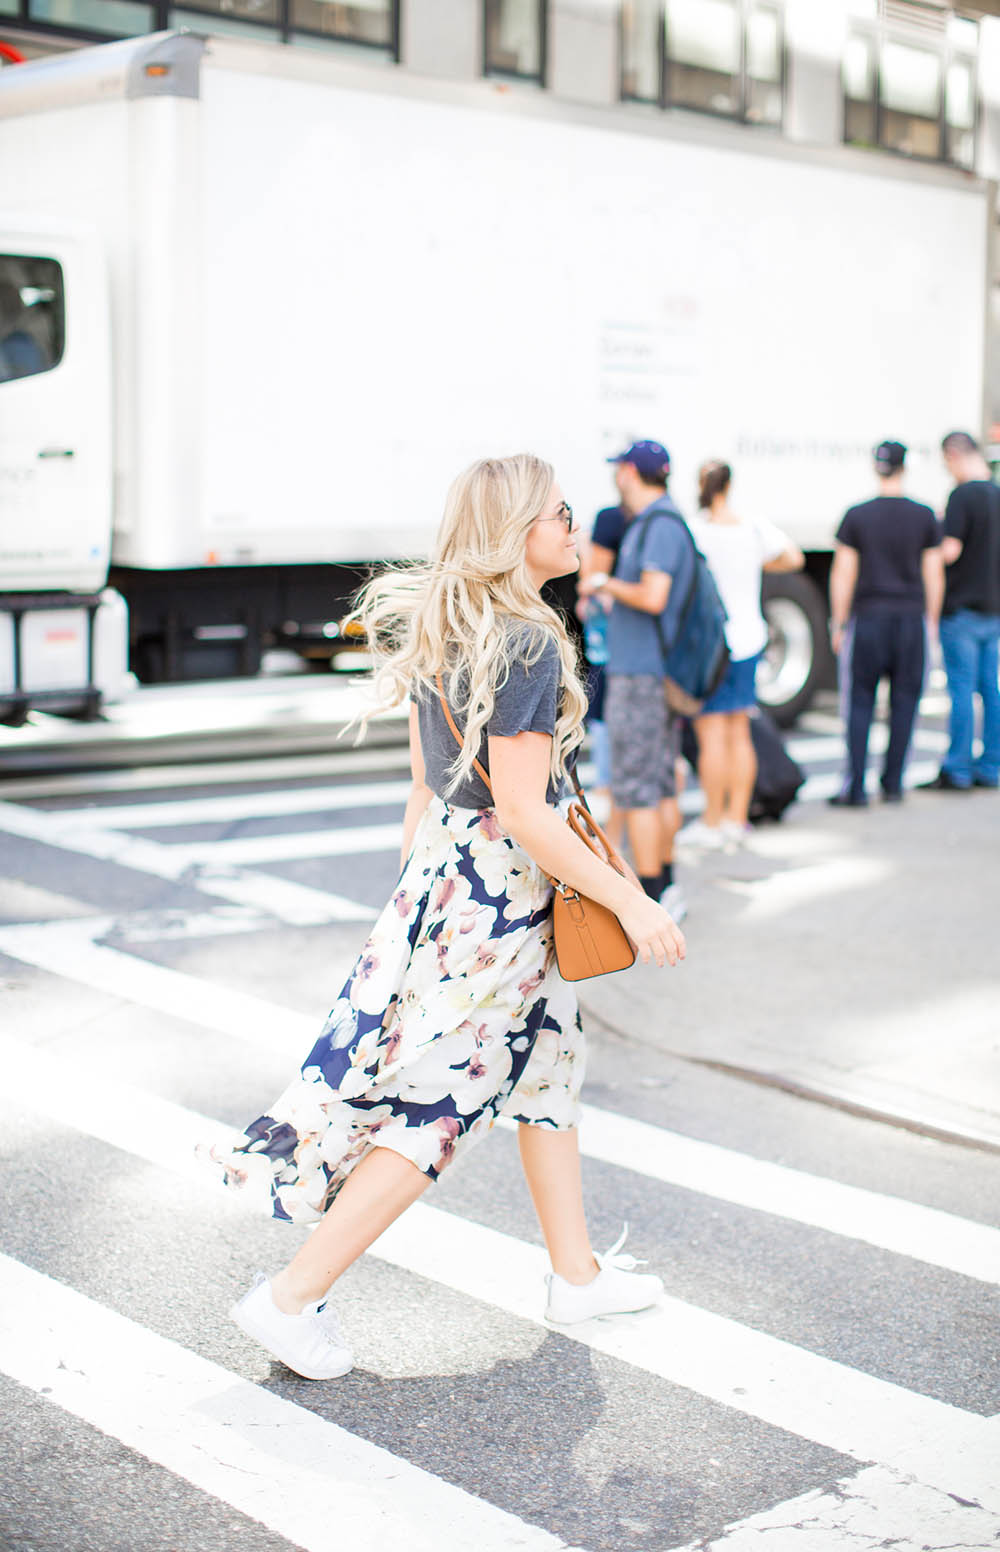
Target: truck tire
797,658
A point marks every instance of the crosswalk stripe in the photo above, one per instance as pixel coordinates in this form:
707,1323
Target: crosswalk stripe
306,1479
890,1223
68,949
297,904
293,845
169,778
874,1508
762,1376
279,803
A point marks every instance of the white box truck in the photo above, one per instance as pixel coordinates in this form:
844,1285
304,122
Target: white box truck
258,305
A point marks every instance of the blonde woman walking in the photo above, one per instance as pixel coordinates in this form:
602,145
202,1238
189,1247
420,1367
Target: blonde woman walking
455,1011
738,551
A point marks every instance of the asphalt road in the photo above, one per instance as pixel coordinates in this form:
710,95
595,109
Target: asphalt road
822,1373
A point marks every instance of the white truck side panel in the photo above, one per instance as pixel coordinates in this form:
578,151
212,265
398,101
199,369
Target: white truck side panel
393,286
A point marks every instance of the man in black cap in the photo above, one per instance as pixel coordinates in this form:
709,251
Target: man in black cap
887,577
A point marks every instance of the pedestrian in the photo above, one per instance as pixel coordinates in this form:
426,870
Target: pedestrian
887,577
738,550
970,619
654,568
601,556
455,1010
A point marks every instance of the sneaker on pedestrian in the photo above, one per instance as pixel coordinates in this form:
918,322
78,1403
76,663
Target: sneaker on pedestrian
311,1344
673,902
736,834
848,800
616,1290
704,837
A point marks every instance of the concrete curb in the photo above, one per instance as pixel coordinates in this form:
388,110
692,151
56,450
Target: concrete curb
891,1106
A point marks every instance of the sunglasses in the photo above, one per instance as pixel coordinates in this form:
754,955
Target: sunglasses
563,515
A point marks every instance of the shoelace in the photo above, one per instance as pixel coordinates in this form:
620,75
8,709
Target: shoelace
612,1257
327,1317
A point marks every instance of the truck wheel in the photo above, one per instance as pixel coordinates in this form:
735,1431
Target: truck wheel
797,654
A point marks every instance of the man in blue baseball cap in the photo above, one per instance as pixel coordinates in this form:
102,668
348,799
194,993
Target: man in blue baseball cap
651,578
650,460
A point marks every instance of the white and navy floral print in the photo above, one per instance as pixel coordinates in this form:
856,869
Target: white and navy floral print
454,1012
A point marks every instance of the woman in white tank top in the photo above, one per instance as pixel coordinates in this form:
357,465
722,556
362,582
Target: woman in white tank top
738,550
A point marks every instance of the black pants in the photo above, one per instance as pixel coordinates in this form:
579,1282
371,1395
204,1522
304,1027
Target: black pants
885,646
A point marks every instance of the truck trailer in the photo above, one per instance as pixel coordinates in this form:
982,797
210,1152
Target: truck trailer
258,305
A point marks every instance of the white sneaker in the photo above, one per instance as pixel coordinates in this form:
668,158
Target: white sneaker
704,837
312,1344
674,903
616,1290
736,834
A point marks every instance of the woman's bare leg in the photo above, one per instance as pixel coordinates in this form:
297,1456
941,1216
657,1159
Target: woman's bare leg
375,1193
551,1164
742,767
713,764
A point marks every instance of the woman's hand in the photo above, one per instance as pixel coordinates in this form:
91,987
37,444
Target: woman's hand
653,931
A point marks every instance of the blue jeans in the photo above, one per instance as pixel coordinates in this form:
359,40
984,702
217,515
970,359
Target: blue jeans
969,646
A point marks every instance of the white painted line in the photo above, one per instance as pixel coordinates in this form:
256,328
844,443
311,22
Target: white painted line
762,1376
814,1397
295,845
70,1093
875,1508
151,778
287,901
806,747
234,807
890,1223
308,1480
67,949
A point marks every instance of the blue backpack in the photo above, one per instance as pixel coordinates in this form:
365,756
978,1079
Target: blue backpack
696,660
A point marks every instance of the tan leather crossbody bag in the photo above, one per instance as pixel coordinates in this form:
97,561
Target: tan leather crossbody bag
589,938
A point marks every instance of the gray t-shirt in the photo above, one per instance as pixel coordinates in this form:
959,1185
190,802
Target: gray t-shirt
652,542
527,703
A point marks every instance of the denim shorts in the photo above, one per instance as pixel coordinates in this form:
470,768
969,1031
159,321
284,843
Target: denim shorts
737,692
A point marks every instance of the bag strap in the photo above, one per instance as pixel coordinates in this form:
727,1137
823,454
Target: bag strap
692,589
480,768
460,741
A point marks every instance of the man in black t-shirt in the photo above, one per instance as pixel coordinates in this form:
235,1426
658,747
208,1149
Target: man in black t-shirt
887,575
970,620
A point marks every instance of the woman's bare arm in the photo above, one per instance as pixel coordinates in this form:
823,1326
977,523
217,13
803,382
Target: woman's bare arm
420,793
519,769
791,559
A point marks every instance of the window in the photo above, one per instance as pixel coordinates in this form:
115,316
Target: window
910,100
32,316
642,64
366,21
234,10
715,56
703,55
367,24
113,18
515,38
918,99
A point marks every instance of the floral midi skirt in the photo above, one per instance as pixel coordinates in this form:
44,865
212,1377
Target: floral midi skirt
453,1013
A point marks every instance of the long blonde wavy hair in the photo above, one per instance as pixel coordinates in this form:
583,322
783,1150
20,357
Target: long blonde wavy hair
472,610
